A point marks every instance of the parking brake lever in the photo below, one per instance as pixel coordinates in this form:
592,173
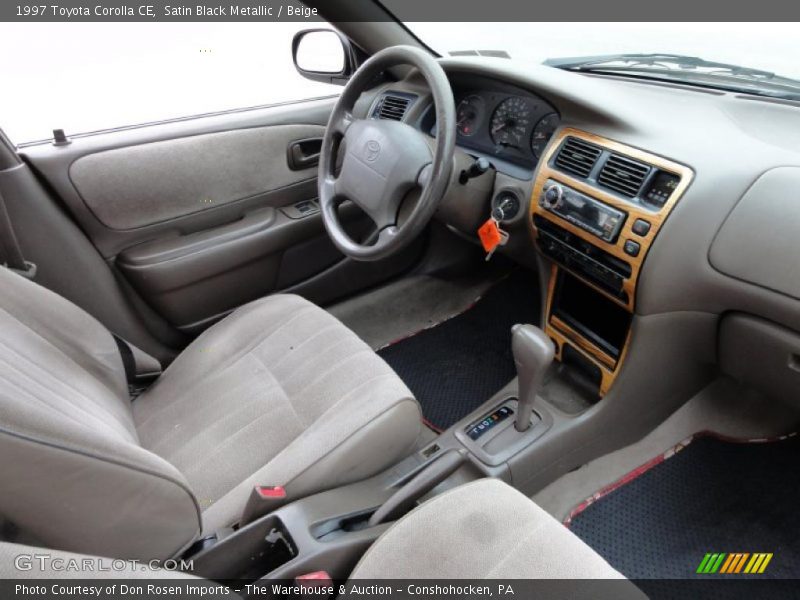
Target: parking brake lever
423,482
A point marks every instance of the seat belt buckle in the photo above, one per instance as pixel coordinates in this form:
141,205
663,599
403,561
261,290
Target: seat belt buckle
263,500
270,492
318,584
29,272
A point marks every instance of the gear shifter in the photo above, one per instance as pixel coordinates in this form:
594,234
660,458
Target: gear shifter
533,354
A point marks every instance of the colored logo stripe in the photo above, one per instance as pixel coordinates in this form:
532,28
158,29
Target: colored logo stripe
733,563
711,563
759,562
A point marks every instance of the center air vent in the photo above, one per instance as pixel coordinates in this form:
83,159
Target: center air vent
392,106
623,175
577,157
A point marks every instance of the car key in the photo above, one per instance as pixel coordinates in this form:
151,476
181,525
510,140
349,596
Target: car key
503,241
492,236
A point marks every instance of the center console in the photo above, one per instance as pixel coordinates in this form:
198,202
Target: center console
328,531
596,208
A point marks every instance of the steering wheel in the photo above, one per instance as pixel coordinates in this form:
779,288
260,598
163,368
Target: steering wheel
384,160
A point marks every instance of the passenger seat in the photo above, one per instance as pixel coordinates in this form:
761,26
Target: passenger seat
481,530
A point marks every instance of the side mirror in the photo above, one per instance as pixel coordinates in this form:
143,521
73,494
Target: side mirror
324,55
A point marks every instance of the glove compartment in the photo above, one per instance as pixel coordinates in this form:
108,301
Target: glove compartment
762,355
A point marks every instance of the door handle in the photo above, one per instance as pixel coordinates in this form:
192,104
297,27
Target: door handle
303,154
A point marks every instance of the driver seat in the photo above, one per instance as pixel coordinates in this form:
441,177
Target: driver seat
278,393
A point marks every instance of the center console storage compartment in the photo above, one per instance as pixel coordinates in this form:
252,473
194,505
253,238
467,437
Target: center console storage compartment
328,531
325,532
589,313
248,553
590,330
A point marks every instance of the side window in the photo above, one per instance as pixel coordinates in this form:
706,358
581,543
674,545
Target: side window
93,76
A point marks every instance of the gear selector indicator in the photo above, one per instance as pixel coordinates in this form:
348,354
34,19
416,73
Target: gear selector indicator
478,429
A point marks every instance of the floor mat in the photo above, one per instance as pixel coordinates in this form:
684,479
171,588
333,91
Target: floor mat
712,496
407,306
456,366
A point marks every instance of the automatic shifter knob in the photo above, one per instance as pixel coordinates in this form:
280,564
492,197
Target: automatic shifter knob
533,354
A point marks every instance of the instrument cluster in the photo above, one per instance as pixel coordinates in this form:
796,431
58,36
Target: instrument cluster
505,123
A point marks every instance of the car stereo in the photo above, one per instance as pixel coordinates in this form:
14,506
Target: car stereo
582,211
604,270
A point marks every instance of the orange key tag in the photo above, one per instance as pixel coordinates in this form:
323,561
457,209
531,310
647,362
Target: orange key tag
490,235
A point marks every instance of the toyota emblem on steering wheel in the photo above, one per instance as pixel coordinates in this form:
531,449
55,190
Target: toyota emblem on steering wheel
371,150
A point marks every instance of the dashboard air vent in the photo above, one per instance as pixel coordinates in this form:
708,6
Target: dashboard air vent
392,107
623,175
576,157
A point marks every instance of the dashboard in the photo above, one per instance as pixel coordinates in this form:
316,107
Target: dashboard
499,121
661,220
647,207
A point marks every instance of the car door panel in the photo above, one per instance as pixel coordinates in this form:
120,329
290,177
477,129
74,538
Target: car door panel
196,278
55,165
142,185
203,215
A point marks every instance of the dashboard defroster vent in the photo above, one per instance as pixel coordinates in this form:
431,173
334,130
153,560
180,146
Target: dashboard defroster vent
623,175
577,158
392,107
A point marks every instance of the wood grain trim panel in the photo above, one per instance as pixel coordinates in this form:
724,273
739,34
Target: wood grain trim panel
557,329
562,333
635,211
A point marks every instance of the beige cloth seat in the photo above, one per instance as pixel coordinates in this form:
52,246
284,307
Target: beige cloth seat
278,393
481,530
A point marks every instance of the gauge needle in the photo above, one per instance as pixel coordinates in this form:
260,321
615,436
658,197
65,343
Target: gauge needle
497,128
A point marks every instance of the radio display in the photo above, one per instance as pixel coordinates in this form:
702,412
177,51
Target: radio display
661,188
585,212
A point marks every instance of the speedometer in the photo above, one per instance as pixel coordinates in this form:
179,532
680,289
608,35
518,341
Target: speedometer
510,122
542,133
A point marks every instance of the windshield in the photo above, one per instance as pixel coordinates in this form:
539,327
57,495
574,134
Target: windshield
772,47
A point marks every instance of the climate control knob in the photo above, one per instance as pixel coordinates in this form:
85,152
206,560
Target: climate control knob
552,196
